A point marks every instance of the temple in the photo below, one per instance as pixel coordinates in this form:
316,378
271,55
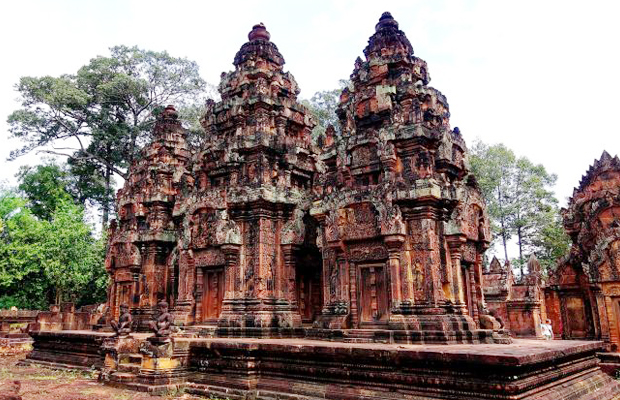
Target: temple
583,293
293,270
260,233
519,304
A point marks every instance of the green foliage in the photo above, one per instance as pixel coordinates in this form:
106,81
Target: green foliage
48,260
69,256
493,167
520,202
45,187
101,116
21,248
323,106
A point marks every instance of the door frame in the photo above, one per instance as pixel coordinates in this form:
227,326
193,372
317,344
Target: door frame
384,319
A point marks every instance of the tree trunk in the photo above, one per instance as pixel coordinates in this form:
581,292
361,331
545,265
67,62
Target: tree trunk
520,250
504,243
106,201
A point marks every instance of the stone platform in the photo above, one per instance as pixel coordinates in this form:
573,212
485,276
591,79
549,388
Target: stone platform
306,369
14,343
67,349
244,368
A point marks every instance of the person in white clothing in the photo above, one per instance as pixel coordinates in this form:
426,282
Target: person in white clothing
547,329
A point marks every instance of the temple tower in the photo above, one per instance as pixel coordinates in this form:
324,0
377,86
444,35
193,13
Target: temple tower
244,222
403,224
583,293
142,241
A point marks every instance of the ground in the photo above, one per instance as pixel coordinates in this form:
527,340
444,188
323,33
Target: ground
42,383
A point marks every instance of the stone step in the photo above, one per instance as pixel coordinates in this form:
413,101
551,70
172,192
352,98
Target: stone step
129,367
357,340
123,377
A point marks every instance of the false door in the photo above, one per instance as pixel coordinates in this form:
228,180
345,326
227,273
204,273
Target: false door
373,298
213,292
575,317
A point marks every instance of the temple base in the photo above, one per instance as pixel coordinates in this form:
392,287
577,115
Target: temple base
309,370
238,314
241,368
14,343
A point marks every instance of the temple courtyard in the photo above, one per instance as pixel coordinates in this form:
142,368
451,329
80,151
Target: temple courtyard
45,383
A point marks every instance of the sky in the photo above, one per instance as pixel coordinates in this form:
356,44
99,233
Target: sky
542,77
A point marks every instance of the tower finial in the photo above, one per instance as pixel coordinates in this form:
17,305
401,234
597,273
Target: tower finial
386,21
259,32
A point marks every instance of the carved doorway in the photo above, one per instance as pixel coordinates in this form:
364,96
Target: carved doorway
372,294
212,294
309,295
574,315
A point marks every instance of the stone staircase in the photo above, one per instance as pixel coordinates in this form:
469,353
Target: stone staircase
127,370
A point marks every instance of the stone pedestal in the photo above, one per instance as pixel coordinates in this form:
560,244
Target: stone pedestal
120,354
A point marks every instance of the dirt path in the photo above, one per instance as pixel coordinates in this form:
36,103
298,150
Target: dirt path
47,384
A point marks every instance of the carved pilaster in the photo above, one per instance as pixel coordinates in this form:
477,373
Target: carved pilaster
394,244
455,245
289,287
231,272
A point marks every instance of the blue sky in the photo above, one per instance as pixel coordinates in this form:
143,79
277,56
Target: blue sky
540,76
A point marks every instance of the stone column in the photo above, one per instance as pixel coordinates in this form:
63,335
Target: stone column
475,298
455,244
135,295
232,278
288,281
199,291
394,244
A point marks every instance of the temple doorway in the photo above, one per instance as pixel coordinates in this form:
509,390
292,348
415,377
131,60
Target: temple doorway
574,315
212,294
372,295
309,294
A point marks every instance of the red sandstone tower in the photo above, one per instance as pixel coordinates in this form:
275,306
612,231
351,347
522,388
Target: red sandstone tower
403,225
380,234
583,293
243,227
140,259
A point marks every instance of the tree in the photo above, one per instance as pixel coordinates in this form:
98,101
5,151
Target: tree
70,256
520,202
45,186
43,261
22,282
493,167
535,205
101,116
323,106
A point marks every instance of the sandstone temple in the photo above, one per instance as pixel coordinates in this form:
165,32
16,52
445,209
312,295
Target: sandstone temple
347,270
583,293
